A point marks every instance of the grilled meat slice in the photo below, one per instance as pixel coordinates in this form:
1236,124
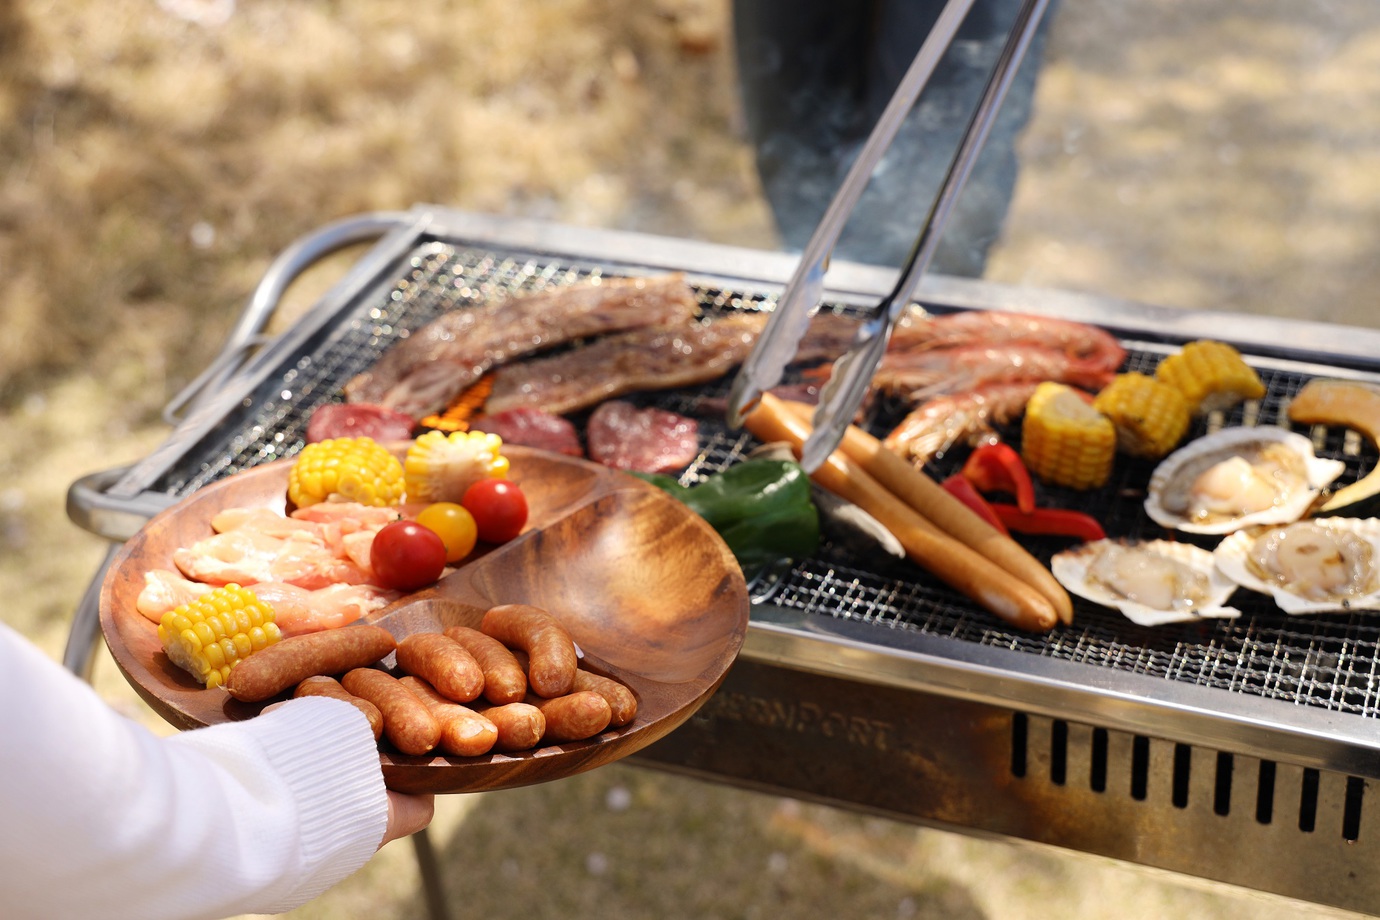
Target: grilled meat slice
422,373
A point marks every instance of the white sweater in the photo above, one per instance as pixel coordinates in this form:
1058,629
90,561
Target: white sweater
99,817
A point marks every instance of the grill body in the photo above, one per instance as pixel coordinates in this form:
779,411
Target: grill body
1239,751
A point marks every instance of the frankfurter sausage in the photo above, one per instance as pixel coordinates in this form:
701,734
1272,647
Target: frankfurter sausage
622,702
505,681
443,663
407,722
933,502
290,661
573,717
549,648
324,685
956,564
464,732
520,725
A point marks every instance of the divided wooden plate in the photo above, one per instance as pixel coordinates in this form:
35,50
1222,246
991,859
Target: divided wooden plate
650,592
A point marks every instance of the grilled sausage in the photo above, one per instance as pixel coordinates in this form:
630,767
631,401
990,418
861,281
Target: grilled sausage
573,717
443,663
520,725
953,562
553,660
464,732
622,702
407,722
288,662
505,681
324,685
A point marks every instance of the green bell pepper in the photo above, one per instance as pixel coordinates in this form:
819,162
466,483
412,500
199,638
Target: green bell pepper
760,507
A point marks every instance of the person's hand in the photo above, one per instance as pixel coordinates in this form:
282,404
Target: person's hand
407,814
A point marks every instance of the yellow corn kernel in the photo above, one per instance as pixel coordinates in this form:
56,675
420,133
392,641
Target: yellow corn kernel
1064,440
439,467
346,469
207,636
1151,417
1211,375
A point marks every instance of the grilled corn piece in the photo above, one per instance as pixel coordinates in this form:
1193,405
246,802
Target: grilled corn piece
1064,440
1151,417
439,467
1211,375
346,469
207,636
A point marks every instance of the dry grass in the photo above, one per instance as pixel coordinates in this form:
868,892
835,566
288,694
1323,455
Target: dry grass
151,166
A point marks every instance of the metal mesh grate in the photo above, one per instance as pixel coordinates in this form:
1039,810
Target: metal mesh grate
1328,662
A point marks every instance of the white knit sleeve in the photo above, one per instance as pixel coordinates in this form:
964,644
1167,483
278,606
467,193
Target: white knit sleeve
106,819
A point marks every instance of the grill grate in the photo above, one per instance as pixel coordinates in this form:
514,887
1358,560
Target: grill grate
1327,662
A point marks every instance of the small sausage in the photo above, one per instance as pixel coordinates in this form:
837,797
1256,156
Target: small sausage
323,685
407,722
505,681
290,661
551,672
443,663
464,732
520,725
622,702
573,717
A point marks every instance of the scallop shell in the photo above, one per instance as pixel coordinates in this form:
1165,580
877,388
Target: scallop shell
1072,568
1226,444
1231,556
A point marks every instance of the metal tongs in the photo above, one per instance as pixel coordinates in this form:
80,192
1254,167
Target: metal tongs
852,373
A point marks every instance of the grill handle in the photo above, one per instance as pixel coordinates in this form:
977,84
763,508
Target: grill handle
284,270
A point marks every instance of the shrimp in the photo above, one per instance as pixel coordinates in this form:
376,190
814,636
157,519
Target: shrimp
940,423
166,590
1078,341
919,375
299,610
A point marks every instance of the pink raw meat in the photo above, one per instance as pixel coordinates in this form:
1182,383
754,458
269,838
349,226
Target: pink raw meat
624,437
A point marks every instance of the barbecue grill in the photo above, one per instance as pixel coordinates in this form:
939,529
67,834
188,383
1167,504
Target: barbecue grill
1234,750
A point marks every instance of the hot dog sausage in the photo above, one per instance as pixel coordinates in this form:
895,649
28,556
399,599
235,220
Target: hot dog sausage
520,725
553,661
290,661
323,685
505,681
464,732
622,703
407,722
443,663
573,717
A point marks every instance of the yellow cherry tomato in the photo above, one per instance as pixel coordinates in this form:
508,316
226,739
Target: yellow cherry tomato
454,525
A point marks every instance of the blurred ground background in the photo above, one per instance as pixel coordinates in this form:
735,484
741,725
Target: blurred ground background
155,156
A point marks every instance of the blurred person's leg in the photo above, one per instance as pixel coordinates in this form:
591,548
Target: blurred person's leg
815,77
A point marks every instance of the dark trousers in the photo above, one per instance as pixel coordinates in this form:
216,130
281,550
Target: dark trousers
815,76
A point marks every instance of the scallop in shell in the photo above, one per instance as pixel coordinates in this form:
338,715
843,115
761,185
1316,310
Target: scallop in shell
1152,582
1321,565
1237,477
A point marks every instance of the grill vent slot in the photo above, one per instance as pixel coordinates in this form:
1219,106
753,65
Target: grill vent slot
1065,760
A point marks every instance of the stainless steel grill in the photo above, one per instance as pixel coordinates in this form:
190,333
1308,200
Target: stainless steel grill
867,684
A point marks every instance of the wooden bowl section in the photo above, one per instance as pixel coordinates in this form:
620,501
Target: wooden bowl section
649,591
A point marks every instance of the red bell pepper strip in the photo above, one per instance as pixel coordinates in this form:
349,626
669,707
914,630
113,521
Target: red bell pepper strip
998,467
1056,522
960,488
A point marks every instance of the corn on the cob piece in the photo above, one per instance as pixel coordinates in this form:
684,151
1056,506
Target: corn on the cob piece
1064,440
346,469
1212,375
207,636
1151,417
440,467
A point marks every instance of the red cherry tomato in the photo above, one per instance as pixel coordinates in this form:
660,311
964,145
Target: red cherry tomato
499,509
453,524
407,556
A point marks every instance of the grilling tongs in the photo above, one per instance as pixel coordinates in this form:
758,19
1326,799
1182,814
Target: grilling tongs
852,373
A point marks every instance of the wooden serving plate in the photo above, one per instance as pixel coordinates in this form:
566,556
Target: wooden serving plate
651,594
